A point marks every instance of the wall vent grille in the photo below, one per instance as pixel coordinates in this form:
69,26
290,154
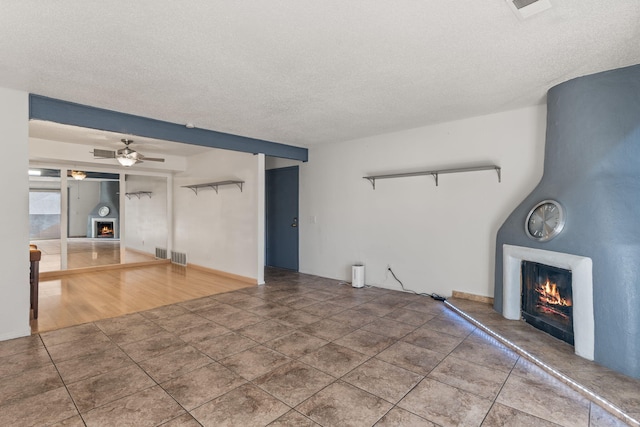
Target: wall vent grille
527,8
161,253
179,258
519,4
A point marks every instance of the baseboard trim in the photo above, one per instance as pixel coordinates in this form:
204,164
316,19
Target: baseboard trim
237,277
472,297
51,275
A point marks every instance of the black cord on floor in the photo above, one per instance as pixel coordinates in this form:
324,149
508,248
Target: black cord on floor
432,295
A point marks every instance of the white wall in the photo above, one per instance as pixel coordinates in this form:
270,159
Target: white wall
436,239
83,197
14,187
146,226
276,162
220,231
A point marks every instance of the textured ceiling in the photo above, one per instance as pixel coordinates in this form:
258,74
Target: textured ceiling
302,72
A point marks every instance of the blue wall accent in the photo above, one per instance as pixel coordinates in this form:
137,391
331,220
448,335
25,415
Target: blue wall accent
592,167
54,110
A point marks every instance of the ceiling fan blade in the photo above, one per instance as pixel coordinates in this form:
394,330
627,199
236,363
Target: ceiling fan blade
151,159
103,154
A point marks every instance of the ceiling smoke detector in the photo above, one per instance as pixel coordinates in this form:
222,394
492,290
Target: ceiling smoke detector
527,8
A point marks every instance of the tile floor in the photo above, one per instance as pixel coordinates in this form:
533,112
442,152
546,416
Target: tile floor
299,351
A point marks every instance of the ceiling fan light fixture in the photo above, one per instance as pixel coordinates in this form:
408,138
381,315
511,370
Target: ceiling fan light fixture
78,175
126,161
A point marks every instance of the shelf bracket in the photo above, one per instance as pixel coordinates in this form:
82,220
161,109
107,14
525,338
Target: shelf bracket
138,194
435,176
499,172
372,181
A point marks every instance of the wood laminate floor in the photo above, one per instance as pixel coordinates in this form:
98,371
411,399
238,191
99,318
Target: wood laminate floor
83,253
87,297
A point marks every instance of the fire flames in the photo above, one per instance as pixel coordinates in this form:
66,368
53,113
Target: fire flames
548,294
105,230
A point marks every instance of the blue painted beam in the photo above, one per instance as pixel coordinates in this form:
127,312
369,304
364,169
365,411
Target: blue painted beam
69,113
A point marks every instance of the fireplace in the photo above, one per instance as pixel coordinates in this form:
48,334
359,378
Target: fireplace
103,228
581,283
590,166
547,301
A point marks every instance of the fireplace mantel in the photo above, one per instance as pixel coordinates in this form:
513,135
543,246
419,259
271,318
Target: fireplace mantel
582,288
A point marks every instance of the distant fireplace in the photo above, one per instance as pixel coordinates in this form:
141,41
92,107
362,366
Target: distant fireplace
547,301
103,228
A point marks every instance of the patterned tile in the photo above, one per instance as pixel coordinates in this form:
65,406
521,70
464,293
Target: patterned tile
73,333
328,329
40,409
365,342
254,362
148,407
293,419
296,344
334,359
174,364
383,379
342,404
35,357
532,396
501,415
29,383
101,389
476,379
417,359
202,385
245,406
153,346
445,405
265,331
399,417
293,382
81,368
433,340
223,346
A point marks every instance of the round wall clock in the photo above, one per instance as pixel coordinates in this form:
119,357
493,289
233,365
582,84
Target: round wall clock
545,221
103,211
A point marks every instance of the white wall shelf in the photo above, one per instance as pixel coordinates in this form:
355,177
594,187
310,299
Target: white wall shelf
214,185
138,194
435,173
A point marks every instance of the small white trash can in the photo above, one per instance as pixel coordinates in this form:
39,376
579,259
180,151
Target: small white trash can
357,276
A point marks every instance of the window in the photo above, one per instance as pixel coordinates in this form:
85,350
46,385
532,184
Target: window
44,214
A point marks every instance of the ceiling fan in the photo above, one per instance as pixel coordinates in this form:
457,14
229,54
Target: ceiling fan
125,156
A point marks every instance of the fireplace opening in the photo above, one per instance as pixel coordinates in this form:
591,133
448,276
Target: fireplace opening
547,299
104,229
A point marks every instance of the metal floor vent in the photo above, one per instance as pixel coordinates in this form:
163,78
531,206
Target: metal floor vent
526,8
161,253
519,4
179,258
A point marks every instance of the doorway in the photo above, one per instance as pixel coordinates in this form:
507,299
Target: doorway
281,209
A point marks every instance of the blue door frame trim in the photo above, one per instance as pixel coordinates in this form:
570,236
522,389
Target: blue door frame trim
69,113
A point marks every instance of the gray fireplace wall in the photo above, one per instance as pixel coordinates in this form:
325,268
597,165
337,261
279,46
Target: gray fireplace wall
592,167
109,196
